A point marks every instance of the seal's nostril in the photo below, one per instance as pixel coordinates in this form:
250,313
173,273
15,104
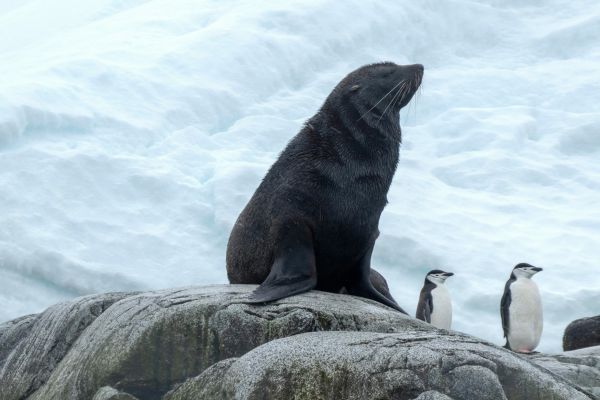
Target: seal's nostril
420,67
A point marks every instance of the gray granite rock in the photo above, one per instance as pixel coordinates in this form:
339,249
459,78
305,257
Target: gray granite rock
581,333
108,393
432,395
32,347
581,367
12,332
206,343
367,365
209,383
144,344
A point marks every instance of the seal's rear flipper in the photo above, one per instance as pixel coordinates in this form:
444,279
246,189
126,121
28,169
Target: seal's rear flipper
365,289
294,270
360,281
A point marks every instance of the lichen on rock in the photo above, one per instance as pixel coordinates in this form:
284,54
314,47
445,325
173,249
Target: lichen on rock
368,365
207,343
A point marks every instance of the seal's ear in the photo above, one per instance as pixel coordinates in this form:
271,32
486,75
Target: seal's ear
354,88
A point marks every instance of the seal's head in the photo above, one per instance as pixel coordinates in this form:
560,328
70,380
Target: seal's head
379,90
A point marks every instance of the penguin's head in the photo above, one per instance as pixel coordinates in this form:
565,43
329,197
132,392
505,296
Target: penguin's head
437,276
524,270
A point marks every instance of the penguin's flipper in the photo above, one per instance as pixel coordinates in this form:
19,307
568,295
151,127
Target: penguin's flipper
425,307
294,269
504,306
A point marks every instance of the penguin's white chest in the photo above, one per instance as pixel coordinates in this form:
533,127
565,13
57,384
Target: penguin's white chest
441,317
525,316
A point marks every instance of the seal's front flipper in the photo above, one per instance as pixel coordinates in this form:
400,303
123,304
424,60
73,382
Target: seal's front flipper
294,269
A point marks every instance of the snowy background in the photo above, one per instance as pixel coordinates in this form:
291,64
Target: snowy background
133,132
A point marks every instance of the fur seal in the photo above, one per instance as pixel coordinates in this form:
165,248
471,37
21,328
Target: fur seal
313,220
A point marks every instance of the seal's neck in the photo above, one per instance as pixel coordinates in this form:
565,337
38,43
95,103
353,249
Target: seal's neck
366,155
368,135
375,140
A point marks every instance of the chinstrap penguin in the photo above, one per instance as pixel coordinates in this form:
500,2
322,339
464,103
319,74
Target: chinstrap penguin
521,310
435,305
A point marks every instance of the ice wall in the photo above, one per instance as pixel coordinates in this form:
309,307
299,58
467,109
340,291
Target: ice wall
133,132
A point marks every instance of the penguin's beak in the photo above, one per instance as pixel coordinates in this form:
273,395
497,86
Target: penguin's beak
447,274
537,269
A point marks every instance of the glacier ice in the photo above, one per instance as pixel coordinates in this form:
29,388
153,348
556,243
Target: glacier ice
133,132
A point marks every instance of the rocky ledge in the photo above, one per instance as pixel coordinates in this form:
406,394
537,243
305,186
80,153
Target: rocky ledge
205,343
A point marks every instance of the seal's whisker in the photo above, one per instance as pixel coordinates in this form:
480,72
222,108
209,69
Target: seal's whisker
405,91
412,107
386,95
418,98
391,101
397,95
402,92
395,99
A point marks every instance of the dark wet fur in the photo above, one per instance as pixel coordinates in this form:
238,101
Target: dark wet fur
313,220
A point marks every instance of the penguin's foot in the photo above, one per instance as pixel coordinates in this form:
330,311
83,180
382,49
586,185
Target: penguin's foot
526,351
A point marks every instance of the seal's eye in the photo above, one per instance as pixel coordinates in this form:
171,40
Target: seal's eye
354,88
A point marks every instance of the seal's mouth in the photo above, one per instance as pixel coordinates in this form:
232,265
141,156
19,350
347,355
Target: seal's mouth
413,76
418,77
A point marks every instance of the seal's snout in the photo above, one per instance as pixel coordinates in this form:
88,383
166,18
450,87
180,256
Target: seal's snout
419,68
417,72
412,69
